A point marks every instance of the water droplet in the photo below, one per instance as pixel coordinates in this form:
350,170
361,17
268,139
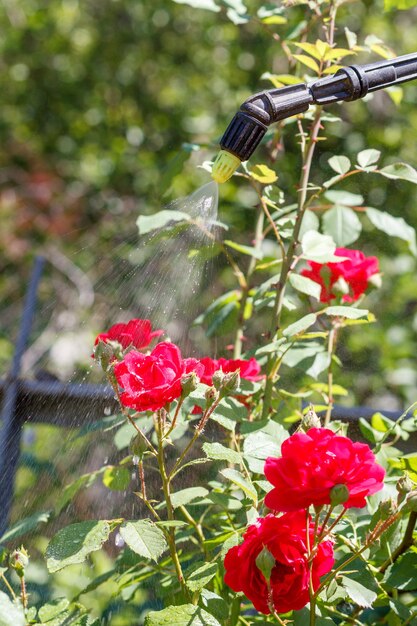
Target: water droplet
135,460
119,541
107,410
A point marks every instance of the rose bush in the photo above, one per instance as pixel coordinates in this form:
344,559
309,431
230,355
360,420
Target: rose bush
284,537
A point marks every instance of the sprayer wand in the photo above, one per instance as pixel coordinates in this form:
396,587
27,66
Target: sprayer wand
251,122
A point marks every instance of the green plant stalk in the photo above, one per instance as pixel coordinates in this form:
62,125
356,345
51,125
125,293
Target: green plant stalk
290,256
310,572
170,533
9,587
406,543
237,351
199,429
331,348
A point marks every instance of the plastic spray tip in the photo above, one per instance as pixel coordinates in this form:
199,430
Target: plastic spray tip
224,166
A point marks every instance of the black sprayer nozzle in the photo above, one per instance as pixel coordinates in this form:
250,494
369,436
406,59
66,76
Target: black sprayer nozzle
250,124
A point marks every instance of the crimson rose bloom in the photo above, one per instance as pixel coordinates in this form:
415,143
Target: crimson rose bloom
285,538
314,462
137,333
150,381
249,369
356,270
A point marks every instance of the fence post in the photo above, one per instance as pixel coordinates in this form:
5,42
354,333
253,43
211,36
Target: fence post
11,425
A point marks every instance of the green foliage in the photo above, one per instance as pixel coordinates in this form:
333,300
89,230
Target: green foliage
74,543
184,615
144,538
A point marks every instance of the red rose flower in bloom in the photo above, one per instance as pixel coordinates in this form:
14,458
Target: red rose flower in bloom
250,370
137,333
150,381
314,462
356,270
285,538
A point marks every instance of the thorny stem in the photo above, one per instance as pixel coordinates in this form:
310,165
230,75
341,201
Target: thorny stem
196,526
127,415
174,419
141,473
288,259
199,429
170,532
406,543
277,617
245,291
23,593
331,347
310,572
373,536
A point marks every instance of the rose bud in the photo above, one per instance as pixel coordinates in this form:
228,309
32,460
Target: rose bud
189,383
231,382
404,486
211,396
218,378
339,494
266,563
138,446
310,420
19,560
411,503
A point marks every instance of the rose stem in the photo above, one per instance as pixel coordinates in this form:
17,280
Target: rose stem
308,147
23,594
174,419
170,532
406,543
198,431
141,473
310,573
129,417
330,351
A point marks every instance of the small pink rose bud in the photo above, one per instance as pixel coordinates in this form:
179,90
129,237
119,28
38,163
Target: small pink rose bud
310,420
218,378
189,383
19,560
231,382
339,494
211,396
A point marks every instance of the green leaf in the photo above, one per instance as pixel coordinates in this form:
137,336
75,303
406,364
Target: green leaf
308,61
346,311
214,604
144,538
183,615
368,157
243,483
106,423
74,543
342,224
210,5
218,452
11,613
263,174
394,227
201,576
346,198
24,526
358,593
116,478
250,251
300,326
400,171
53,609
305,285
180,498
148,223
339,164
71,490
318,247
402,574
258,446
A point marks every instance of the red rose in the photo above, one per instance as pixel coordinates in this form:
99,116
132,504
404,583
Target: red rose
250,370
149,382
313,463
137,333
355,271
285,538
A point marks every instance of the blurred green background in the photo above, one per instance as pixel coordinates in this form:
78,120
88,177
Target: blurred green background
107,108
